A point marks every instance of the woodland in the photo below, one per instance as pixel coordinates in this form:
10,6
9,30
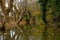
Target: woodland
29,19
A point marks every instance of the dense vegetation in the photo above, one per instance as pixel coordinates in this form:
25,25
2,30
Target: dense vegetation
30,19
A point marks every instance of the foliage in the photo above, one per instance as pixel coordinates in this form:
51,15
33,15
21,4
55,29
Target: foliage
30,19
